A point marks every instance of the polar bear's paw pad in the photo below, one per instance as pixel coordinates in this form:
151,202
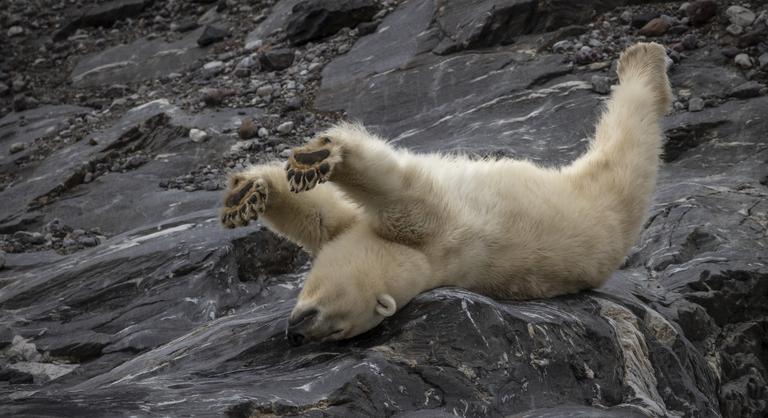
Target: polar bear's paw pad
245,203
309,165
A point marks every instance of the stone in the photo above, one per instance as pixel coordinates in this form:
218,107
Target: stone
212,34
743,61
265,91
316,19
285,128
639,20
740,16
695,104
730,51
17,147
197,135
15,31
263,132
701,11
244,66
747,90
247,129
213,68
254,45
104,14
763,60
88,241
689,42
212,97
751,38
276,59
734,29
2,265
656,27
601,84
31,238
562,46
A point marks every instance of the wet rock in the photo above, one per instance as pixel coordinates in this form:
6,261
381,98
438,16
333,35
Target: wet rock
317,19
247,129
212,34
743,61
701,11
747,90
740,16
656,27
276,59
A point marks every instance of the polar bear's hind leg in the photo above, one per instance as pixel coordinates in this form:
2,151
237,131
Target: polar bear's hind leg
312,163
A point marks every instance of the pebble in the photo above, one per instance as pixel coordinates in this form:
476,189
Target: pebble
212,68
739,15
601,84
263,132
285,153
243,68
562,46
655,27
641,19
626,16
197,135
277,59
211,35
696,104
136,161
264,91
17,147
734,29
729,52
285,127
247,129
87,241
15,31
743,61
690,42
254,45
700,12
212,97
4,89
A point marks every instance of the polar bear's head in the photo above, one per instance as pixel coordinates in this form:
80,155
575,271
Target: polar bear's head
356,281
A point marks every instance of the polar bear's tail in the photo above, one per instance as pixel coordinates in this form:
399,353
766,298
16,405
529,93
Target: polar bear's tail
619,170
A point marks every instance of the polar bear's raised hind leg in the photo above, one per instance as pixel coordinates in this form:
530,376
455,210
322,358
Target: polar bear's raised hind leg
245,203
312,164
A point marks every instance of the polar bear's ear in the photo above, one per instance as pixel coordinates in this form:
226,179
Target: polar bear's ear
386,305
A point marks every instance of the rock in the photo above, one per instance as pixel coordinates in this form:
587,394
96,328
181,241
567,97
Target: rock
701,11
212,97
734,29
585,55
136,161
265,91
197,135
689,42
276,59
562,46
211,35
2,265
367,28
105,14
316,19
730,51
655,27
17,147
695,104
4,89
743,61
751,38
213,68
601,84
31,238
293,103
15,31
763,60
243,68
747,90
285,128
254,45
740,16
88,241
626,17
247,129
640,20
263,132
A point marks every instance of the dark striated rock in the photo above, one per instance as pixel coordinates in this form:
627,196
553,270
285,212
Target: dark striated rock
212,34
747,90
315,19
104,14
701,11
276,59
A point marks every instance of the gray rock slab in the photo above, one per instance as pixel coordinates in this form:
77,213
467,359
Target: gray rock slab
141,60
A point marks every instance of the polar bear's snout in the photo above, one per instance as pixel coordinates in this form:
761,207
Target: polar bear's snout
298,326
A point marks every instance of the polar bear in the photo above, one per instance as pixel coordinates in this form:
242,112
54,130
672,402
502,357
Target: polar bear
384,224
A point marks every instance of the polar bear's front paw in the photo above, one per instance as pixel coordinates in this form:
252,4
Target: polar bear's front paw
312,164
244,203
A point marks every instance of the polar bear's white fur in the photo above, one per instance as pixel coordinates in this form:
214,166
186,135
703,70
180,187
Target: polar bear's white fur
385,224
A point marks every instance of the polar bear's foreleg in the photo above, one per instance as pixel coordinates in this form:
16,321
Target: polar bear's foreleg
309,219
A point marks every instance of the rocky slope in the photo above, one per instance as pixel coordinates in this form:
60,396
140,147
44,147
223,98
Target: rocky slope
120,295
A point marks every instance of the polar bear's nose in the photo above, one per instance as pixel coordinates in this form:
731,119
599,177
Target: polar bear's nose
298,324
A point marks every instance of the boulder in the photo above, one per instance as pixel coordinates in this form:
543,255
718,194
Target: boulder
317,19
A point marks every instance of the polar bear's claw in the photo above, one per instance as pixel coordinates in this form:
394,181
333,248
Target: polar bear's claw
245,203
307,166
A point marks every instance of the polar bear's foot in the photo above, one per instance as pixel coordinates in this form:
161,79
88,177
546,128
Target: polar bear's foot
647,63
246,200
312,164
